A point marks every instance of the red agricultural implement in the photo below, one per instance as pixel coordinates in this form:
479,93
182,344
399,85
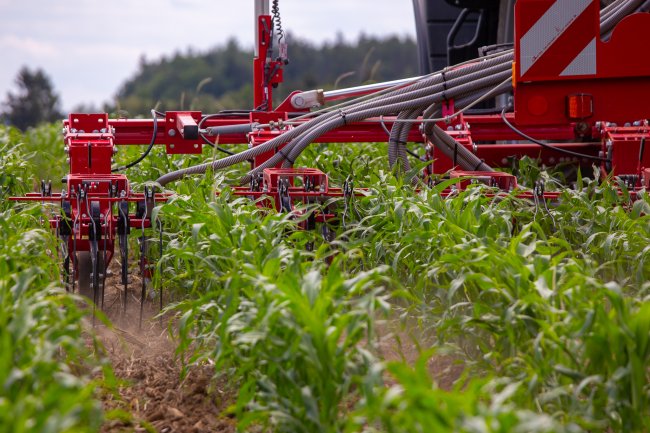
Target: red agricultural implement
572,88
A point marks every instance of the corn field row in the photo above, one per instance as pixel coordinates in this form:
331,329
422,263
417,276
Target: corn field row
542,308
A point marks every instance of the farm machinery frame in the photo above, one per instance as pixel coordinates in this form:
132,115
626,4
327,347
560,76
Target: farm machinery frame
576,82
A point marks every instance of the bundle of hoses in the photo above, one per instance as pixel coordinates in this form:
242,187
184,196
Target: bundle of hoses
483,78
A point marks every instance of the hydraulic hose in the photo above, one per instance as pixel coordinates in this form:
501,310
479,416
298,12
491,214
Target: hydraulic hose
444,89
292,150
450,147
431,111
402,137
292,133
611,8
625,9
455,151
440,95
645,7
396,142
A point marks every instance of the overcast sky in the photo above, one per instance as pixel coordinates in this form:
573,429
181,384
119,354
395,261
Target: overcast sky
89,47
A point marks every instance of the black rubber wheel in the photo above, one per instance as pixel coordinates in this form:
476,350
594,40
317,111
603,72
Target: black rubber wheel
84,272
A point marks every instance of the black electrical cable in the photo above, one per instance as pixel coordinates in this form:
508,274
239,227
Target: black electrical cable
205,139
211,144
546,145
231,112
146,152
413,154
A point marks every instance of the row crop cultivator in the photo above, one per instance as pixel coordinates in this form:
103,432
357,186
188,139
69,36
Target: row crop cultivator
574,88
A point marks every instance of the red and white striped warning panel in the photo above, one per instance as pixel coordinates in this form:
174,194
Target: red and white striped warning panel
557,38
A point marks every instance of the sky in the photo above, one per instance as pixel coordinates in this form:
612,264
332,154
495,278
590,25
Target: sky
89,47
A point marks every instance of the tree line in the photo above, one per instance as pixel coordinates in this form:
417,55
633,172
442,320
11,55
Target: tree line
221,78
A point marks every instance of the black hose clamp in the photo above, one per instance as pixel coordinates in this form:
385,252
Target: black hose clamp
285,156
344,117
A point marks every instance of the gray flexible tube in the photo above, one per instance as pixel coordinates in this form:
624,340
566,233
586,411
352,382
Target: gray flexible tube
305,140
292,133
401,143
449,146
302,142
432,111
402,138
465,160
628,7
442,94
446,89
611,8
645,7
396,152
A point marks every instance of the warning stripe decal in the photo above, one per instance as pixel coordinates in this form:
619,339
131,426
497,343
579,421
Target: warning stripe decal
548,29
584,63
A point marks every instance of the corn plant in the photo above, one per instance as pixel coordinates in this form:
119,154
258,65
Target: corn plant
517,295
288,329
414,403
45,383
45,373
14,169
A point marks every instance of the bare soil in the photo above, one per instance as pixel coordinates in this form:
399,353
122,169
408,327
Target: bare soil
397,342
151,395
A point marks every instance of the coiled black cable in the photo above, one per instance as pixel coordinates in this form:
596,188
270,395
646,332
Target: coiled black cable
275,10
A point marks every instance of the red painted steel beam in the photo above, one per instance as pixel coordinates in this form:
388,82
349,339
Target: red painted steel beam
498,155
483,128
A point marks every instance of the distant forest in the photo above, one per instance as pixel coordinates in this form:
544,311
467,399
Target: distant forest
221,78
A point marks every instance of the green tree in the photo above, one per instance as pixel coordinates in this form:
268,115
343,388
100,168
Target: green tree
34,103
221,78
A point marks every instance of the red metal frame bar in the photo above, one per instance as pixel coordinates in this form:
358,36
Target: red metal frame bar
483,128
